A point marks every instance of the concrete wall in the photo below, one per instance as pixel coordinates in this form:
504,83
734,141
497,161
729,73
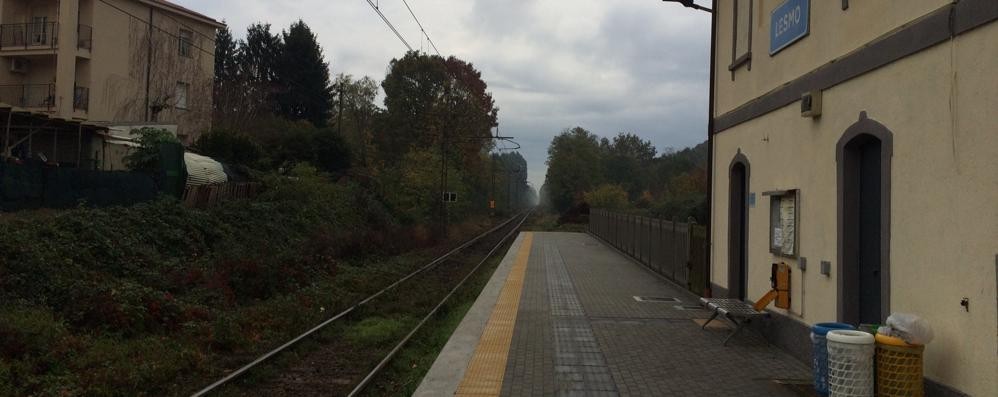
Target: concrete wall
116,67
834,32
939,104
119,65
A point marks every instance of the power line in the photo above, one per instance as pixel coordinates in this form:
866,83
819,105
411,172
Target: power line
210,53
387,22
421,27
207,37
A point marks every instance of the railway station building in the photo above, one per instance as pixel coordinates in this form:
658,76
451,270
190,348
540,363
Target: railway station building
857,142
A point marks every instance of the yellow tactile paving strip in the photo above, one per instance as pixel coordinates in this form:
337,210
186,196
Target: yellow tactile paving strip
488,366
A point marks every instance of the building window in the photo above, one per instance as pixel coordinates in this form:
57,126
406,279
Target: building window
186,42
741,47
783,222
181,95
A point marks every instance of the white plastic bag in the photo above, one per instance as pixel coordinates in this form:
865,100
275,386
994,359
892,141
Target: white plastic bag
913,329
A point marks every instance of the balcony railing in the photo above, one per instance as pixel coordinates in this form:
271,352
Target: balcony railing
81,98
29,95
84,37
29,35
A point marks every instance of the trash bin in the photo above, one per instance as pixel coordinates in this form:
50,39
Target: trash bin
899,368
850,363
819,354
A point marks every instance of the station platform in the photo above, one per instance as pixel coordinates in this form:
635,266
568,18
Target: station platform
564,314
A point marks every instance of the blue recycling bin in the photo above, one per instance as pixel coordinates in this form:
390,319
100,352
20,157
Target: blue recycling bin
819,353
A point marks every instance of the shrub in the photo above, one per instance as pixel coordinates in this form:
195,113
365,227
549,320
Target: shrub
230,148
146,157
607,196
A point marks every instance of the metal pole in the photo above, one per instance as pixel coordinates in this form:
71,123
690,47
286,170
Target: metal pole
149,65
675,249
339,121
79,147
6,139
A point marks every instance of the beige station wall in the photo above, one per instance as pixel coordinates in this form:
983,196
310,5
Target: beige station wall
940,105
834,32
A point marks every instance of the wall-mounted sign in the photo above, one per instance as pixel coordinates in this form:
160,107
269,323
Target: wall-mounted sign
788,23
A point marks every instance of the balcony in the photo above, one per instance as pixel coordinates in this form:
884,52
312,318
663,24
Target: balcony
29,36
84,37
81,98
32,96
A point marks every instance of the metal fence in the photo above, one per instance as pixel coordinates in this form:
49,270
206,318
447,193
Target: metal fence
29,35
36,185
28,95
673,249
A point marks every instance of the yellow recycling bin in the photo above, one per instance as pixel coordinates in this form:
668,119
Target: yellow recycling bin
899,368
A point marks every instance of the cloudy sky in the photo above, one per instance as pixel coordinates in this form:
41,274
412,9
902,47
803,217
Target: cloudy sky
608,66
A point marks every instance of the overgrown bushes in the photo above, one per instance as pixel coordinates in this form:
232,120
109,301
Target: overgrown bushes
124,300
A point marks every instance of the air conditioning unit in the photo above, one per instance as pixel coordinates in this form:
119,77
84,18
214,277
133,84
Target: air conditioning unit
18,65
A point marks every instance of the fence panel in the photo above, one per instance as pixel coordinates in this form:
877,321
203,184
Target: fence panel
673,249
207,195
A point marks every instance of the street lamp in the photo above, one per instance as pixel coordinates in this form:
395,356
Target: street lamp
690,4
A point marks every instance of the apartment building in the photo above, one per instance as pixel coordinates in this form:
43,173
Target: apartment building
108,62
856,141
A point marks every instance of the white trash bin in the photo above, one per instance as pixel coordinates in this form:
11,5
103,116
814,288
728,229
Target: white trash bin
850,363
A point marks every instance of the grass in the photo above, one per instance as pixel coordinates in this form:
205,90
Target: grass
545,222
157,299
403,375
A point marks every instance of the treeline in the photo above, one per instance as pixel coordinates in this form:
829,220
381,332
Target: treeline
276,105
625,173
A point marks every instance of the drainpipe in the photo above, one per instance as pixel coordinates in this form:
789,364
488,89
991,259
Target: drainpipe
149,63
710,148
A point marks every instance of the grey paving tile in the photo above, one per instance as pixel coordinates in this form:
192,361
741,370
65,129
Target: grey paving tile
579,332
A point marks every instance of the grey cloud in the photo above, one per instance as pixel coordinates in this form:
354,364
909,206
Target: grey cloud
609,66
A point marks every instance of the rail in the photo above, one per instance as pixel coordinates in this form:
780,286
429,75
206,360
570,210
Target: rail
235,374
398,347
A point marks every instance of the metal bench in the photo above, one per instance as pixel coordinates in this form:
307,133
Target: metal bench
737,312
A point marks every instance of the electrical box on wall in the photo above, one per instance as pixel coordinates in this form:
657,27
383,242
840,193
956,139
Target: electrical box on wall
810,104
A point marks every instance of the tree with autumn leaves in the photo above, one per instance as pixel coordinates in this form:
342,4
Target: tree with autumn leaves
274,91
624,172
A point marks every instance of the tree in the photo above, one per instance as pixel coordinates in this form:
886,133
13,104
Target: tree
607,196
226,92
426,97
355,112
302,76
626,162
230,148
146,156
415,108
574,167
258,59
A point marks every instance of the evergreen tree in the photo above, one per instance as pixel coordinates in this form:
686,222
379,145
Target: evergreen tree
258,59
226,88
303,77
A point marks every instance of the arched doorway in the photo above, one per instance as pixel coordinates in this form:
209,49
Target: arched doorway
863,156
738,190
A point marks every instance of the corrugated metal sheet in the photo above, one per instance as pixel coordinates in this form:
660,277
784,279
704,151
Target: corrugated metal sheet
203,170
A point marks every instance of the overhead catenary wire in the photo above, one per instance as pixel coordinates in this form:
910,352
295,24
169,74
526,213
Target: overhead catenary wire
421,27
389,23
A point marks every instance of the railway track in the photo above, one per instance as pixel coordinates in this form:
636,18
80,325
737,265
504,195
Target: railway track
339,366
